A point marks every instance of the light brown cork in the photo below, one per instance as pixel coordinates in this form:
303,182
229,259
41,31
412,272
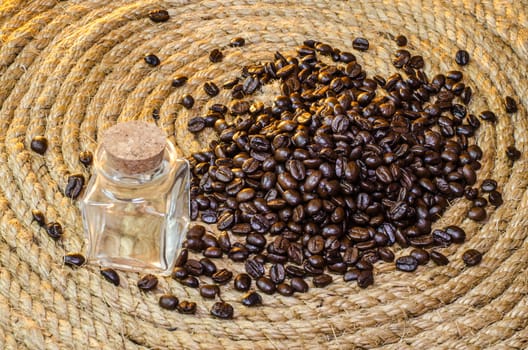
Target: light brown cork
134,147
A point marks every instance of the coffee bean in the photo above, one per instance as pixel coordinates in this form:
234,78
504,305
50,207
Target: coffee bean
365,278
477,214
488,116
421,256
213,252
406,263
495,198
254,268
438,258
242,282
179,273
159,16
178,81
510,105
322,280
360,44
111,276
299,285
251,299
285,289
86,158
266,285
74,186
222,310
209,291
39,144
237,42
187,101
208,267
513,153
216,56
147,282
194,267
152,60
196,124
74,259
457,234
168,302
187,307
54,230
222,276
488,185
472,257
182,257
39,217
277,273
462,57
401,40
190,281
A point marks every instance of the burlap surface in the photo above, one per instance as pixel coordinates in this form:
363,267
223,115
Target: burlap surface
70,69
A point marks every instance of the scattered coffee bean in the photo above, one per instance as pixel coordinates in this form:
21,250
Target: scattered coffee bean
208,267
194,267
111,276
513,153
74,259
54,230
360,44
488,185
187,101
299,285
406,263
462,57
266,285
457,234
179,273
209,291
401,40
438,258
222,310
237,42
179,80
510,105
365,278
472,257
182,257
190,281
152,60
187,307
421,255
222,276
86,158
251,299
38,217
196,124
321,281
168,302
216,56
242,282
477,213
495,198
159,16
285,289
39,144
211,89
147,282
488,116
74,186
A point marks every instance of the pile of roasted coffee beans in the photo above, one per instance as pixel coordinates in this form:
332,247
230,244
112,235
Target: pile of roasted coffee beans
324,179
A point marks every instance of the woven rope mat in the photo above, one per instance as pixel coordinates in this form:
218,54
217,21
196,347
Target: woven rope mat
70,69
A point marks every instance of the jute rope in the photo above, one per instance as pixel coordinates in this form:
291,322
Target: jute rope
70,69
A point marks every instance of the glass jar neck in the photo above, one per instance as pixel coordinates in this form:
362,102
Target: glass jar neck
104,166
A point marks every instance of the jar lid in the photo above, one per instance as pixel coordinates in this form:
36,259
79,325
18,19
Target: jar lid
134,147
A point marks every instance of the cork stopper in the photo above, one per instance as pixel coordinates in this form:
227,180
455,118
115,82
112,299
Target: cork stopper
134,147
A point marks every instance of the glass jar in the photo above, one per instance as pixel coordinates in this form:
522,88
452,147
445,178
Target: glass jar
135,208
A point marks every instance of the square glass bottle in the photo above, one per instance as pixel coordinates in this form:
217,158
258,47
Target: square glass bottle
136,206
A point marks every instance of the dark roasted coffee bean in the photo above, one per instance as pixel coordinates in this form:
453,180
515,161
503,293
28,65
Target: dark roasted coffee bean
194,267
74,186
441,238
254,268
421,255
365,278
179,80
39,217
510,105
147,282
472,257
386,254
295,271
196,124
168,302
222,276
480,202
152,60
237,42
213,252
351,275
457,234
242,282
110,275
187,307
488,185
179,273
54,230
182,258
208,267
209,291
495,198
438,258
488,116
159,16
39,144
224,242
406,263
277,273
74,259
401,40
190,281
285,289
513,153
222,310
360,44
251,299
322,280
266,285
211,89
299,285
477,214
86,158
187,101
216,56
462,57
